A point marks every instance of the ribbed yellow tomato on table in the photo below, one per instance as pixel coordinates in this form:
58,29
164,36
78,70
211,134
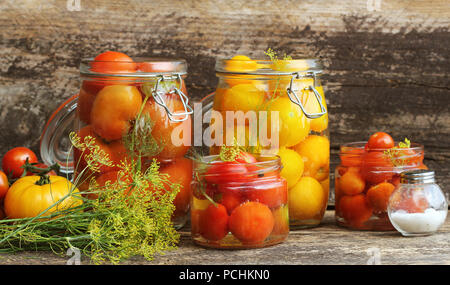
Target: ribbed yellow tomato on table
27,199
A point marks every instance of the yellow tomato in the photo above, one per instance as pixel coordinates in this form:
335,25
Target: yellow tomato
315,151
293,126
241,63
243,97
306,199
292,164
198,204
311,104
25,198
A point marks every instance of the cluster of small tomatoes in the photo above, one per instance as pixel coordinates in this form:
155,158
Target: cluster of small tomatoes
108,109
303,143
239,203
366,178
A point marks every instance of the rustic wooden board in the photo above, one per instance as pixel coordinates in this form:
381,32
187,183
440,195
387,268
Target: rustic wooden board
386,66
326,244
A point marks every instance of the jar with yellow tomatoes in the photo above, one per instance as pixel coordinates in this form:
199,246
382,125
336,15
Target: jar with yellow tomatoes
133,110
278,107
366,177
239,203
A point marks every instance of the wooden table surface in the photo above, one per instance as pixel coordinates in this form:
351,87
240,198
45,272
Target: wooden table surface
326,244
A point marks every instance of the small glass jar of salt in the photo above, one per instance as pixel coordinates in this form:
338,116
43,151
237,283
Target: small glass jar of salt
417,207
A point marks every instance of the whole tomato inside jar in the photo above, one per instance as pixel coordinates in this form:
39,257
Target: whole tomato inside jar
135,110
278,107
239,204
365,180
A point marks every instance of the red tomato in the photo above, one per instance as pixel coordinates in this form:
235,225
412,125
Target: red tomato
351,156
271,193
15,158
213,222
245,157
229,196
4,184
380,140
376,167
85,102
113,62
222,172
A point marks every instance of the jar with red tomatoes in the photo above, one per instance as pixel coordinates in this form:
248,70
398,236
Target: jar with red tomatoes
277,106
134,109
239,204
366,178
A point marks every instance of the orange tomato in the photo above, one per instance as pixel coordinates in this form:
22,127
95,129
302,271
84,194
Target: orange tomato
113,62
251,222
173,138
113,109
355,209
351,183
180,172
378,196
80,156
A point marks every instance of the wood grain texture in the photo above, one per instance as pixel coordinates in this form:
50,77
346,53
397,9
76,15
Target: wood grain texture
385,69
326,244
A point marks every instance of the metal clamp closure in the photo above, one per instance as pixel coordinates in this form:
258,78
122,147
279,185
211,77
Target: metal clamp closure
158,95
296,100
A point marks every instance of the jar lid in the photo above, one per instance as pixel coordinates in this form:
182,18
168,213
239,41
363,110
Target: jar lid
55,146
140,67
288,67
418,176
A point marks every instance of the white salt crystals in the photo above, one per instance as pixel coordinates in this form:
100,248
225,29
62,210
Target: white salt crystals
412,224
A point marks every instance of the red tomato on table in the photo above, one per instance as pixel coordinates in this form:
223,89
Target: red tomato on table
4,184
15,158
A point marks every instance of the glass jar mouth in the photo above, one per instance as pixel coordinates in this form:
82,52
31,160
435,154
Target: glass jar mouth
139,67
265,163
354,148
267,67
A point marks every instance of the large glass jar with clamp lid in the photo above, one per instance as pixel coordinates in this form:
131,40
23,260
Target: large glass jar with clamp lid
134,110
276,107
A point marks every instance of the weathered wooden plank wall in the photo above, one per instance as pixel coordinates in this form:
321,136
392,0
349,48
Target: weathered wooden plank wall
386,62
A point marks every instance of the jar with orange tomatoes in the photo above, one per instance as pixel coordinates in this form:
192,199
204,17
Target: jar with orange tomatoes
239,204
366,178
277,106
134,109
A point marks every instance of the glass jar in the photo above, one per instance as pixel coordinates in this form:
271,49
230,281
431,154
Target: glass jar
233,211
277,107
134,111
364,181
417,206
